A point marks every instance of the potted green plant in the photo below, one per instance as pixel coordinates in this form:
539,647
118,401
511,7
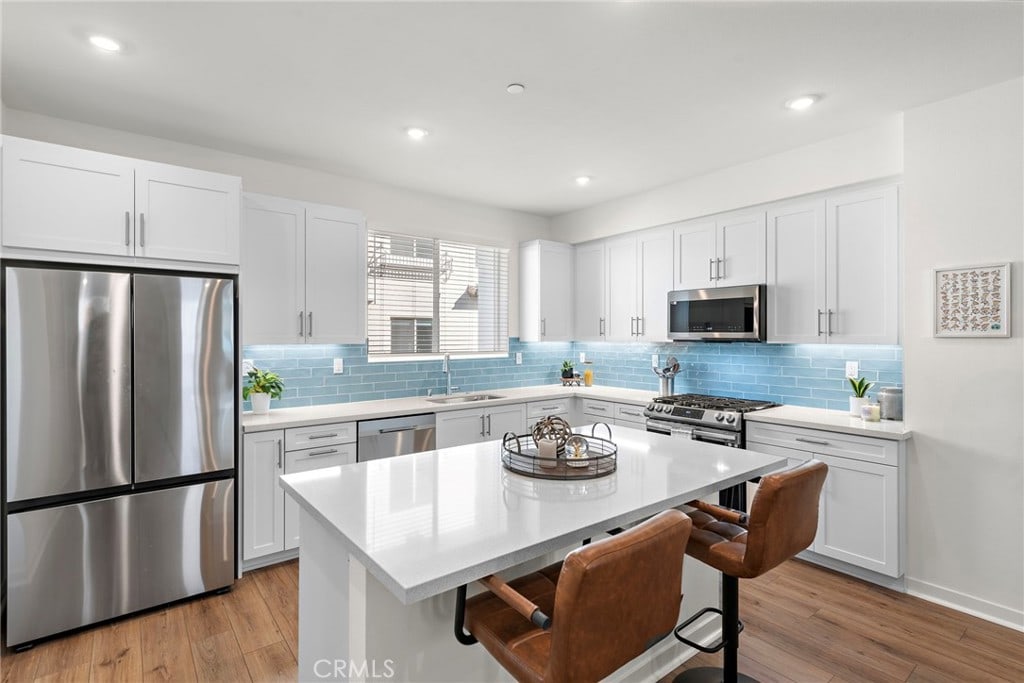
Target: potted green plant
860,389
261,386
567,369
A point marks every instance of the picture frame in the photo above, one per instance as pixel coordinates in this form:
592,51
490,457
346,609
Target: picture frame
972,301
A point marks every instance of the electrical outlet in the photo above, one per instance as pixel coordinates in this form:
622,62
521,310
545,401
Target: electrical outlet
247,365
852,369
339,366
583,356
519,357
654,360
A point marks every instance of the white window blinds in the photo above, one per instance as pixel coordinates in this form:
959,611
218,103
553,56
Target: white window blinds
428,296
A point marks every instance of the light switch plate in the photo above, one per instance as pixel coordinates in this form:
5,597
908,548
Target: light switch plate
852,369
654,360
339,366
583,356
247,365
519,357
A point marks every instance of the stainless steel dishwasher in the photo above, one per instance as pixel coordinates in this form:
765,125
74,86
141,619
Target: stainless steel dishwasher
395,436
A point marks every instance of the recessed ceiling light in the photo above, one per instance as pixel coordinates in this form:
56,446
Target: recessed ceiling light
515,89
417,133
802,102
105,44
583,180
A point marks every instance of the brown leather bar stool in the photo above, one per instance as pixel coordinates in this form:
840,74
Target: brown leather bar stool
783,520
609,601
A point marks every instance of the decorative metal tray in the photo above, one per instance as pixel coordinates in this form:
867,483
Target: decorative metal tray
583,457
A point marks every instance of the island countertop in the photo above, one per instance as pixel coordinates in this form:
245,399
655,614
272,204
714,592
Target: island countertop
425,523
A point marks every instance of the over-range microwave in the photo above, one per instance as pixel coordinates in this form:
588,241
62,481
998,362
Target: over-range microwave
718,314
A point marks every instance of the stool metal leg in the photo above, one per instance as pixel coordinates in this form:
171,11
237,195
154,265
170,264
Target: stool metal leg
730,642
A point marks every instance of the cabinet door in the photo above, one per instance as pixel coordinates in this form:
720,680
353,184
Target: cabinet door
262,496
503,419
796,273
740,257
67,199
459,427
335,276
862,244
186,215
305,461
695,255
272,272
654,264
622,323
556,278
858,520
589,315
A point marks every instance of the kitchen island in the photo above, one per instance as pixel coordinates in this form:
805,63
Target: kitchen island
385,543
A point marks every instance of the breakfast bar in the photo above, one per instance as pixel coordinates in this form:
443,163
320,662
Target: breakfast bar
387,542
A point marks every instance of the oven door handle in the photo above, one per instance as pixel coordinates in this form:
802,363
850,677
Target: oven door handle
711,436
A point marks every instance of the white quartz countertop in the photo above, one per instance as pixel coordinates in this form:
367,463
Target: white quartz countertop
831,420
281,418
426,523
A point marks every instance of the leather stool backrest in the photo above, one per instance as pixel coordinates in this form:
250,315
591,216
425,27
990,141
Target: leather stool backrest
783,517
616,596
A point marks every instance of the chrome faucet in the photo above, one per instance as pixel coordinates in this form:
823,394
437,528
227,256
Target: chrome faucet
446,368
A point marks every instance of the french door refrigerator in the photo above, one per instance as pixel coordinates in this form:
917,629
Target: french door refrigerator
119,443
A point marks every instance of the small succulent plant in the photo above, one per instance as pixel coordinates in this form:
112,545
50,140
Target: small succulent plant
860,386
262,382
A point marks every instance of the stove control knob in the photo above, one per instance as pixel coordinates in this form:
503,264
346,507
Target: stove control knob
730,419
719,417
652,407
666,409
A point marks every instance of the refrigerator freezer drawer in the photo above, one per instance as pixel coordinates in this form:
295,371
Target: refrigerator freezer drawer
75,565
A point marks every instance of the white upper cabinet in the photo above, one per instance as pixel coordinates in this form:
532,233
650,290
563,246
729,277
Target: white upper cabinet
64,199
545,291
832,269
621,275
722,251
589,313
654,264
303,273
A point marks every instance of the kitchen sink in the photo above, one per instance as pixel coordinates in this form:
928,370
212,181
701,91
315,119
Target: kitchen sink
464,398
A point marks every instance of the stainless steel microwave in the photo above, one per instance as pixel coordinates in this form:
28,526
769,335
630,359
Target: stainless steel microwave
719,314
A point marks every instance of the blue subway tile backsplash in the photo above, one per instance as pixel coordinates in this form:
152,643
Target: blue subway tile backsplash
796,374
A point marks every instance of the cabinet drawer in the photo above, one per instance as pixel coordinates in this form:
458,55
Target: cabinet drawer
631,414
545,408
837,444
316,458
320,435
598,408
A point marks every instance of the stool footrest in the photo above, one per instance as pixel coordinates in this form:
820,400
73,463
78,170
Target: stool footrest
714,647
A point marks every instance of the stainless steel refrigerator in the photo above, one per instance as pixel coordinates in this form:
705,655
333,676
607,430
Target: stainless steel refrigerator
119,441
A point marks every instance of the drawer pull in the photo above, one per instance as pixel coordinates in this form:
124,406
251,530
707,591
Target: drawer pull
311,437
326,451
598,409
630,412
548,409
819,442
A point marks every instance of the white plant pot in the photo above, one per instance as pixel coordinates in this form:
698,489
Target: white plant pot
261,403
855,404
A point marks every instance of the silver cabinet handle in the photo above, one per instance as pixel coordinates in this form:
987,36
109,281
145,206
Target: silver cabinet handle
601,328
326,451
302,324
641,327
631,412
309,332
324,436
818,442
280,452
488,424
127,228
828,326
543,327
711,269
482,426
719,268
819,321
598,409
142,229
549,409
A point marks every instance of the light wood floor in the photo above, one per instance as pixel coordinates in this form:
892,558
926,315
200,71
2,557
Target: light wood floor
802,624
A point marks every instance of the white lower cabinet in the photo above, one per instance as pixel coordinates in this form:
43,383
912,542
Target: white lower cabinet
622,414
473,425
270,519
861,518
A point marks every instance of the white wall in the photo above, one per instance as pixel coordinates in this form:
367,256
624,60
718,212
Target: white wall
964,205
868,154
386,207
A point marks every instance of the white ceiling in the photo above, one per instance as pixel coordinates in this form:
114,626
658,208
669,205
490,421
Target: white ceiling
637,95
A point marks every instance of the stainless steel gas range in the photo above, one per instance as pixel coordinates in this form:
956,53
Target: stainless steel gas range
715,419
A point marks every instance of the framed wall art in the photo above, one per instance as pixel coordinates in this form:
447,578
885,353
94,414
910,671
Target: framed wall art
973,302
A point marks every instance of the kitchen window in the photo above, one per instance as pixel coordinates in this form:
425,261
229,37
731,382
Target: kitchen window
430,296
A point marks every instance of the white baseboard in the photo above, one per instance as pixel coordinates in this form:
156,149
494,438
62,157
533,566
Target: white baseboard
962,602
